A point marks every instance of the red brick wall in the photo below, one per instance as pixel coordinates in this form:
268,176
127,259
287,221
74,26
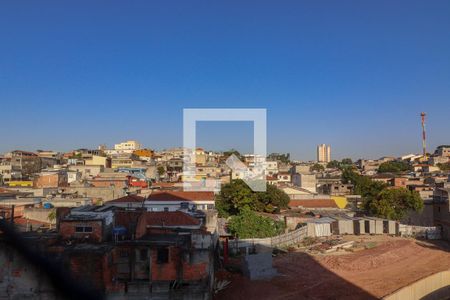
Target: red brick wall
399,182
53,180
89,268
166,271
67,230
195,271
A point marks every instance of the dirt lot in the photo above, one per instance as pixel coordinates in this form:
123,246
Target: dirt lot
388,265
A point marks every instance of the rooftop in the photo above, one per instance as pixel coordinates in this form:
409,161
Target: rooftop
170,219
128,199
316,203
181,196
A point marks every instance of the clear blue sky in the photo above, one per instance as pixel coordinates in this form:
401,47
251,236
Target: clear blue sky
354,74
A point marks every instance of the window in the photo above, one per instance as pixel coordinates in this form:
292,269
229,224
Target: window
162,255
143,254
166,209
85,229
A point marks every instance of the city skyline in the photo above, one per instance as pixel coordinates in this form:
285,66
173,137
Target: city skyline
350,74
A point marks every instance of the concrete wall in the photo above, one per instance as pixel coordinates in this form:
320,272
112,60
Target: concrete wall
424,218
19,280
38,214
436,286
104,193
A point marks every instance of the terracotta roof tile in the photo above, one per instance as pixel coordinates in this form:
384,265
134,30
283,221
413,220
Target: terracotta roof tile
179,195
167,218
128,198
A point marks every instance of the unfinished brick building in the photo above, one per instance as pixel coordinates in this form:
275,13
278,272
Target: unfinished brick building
127,254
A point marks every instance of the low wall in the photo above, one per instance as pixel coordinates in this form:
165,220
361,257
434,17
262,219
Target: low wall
282,240
296,236
430,233
436,286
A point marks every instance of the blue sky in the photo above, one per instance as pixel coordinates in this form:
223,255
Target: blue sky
353,74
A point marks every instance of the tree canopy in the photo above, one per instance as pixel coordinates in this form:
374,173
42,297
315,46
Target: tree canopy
334,164
379,200
317,167
285,158
394,167
395,203
345,163
231,152
237,196
161,170
248,224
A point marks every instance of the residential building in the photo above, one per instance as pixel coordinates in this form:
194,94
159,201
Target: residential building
336,189
126,160
9,172
128,146
28,163
284,177
97,160
305,181
315,204
115,179
128,201
301,169
441,211
51,179
87,224
443,151
271,168
298,193
324,153
144,154
87,172
176,200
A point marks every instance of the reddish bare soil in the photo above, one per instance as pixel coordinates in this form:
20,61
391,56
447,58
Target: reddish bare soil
366,274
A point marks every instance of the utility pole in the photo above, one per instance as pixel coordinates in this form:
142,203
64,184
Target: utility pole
424,144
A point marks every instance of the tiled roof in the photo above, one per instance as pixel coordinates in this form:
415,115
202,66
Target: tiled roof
181,196
127,218
316,203
128,198
167,218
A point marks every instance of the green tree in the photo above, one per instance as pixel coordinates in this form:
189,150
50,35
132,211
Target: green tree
317,167
248,224
237,196
395,203
379,200
284,158
161,170
347,162
231,152
334,164
52,216
394,167
362,185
